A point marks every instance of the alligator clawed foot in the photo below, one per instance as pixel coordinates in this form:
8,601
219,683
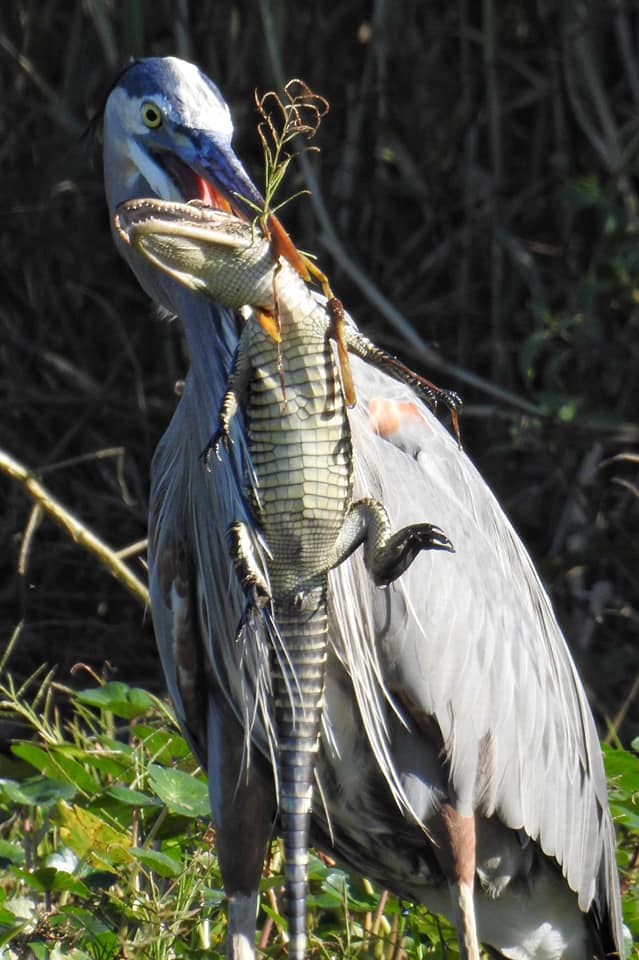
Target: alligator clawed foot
219,438
258,595
404,546
452,400
257,599
430,537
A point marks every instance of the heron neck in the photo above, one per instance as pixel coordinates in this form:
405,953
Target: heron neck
211,334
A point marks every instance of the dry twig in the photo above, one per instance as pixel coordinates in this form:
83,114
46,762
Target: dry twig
74,527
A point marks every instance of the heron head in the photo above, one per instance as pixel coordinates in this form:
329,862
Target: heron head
167,134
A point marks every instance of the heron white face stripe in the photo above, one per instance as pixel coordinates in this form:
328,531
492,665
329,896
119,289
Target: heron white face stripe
157,178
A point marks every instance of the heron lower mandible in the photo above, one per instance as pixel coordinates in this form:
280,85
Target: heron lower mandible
459,762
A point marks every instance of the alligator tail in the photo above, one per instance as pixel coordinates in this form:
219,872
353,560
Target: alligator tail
299,669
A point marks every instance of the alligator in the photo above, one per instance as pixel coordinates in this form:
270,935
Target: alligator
285,379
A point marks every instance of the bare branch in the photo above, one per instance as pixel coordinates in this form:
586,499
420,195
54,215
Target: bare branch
74,527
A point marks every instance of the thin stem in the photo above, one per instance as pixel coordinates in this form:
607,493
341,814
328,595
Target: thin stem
74,527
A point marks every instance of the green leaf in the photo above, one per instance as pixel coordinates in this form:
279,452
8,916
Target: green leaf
40,950
91,837
161,863
54,764
132,798
49,879
125,751
119,699
622,767
88,920
22,908
106,945
164,746
213,898
10,853
36,791
109,766
625,814
181,792
101,880
7,919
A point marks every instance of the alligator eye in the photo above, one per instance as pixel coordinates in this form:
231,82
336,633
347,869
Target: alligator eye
151,114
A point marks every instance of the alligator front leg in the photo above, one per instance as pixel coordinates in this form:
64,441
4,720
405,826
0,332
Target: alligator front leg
232,401
387,555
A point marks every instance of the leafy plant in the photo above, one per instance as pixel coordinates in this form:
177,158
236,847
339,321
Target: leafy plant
298,113
106,850
622,770
101,831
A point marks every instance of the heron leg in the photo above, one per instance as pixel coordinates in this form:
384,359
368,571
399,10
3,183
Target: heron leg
455,850
243,804
387,555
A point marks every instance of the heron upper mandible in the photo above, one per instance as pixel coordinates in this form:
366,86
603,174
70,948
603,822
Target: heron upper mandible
459,763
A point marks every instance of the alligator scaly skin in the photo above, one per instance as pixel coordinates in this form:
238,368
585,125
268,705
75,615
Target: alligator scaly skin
300,488
302,458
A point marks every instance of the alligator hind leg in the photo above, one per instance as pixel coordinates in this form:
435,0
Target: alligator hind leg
387,555
247,565
368,351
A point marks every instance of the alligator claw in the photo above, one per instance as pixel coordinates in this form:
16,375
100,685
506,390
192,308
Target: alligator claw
213,446
452,400
435,538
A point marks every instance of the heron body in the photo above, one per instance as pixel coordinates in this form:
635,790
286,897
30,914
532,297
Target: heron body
458,761
299,484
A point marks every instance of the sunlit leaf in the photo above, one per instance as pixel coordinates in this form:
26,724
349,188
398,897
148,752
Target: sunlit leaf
63,859
10,853
180,792
92,838
21,908
50,879
55,765
132,798
161,863
119,699
164,746
36,791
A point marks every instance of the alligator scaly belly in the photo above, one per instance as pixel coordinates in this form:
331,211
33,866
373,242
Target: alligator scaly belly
300,485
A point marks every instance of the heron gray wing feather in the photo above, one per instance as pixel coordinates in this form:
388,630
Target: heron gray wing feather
192,508
479,648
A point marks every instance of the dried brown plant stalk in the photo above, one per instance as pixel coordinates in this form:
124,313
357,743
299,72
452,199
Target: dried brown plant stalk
298,113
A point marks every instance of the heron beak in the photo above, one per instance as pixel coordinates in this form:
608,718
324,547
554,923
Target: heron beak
219,181
223,174
192,184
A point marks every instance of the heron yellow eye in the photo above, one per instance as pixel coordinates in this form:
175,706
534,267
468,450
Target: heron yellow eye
151,114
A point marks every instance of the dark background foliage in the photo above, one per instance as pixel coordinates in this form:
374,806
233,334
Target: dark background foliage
479,164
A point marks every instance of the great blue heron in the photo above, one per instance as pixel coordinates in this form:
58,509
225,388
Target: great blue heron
459,755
